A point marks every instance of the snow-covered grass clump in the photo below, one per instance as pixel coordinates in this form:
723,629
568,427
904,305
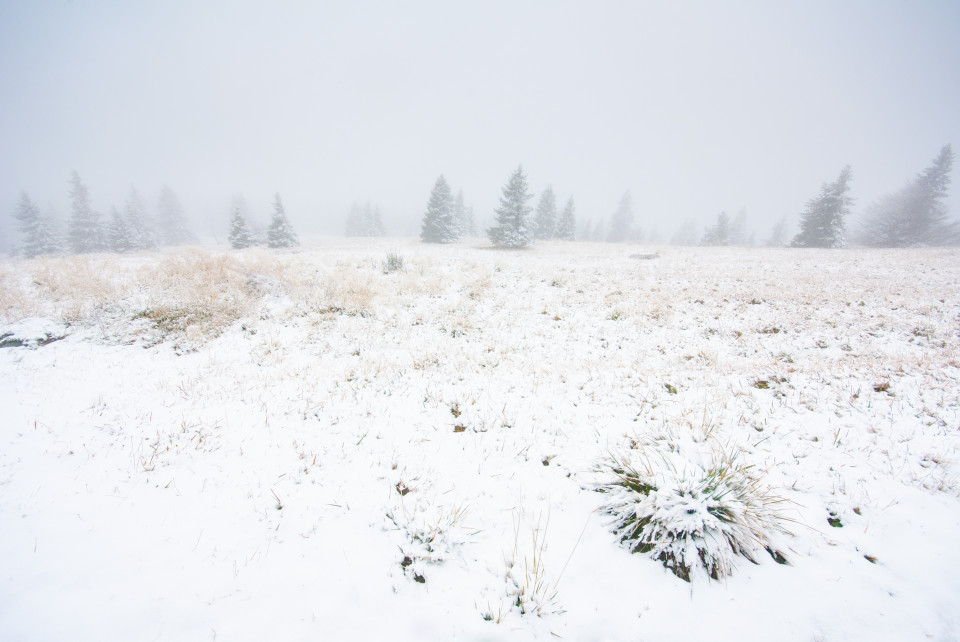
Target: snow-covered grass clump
322,443
693,514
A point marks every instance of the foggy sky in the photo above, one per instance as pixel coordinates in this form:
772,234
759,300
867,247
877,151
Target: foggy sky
696,107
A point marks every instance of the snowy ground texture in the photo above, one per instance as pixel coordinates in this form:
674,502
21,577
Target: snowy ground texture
312,445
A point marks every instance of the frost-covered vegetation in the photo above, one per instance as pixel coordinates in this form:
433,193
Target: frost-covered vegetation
385,439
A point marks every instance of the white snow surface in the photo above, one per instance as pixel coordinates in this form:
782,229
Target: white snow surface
292,464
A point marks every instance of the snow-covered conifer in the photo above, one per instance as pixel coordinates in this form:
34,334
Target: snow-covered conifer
140,228
686,234
32,228
545,221
621,221
738,230
279,232
463,216
719,233
171,219
239,235
118,233
567,223
364,221
439,225
512,228
778,236
85,233
915,216
823,221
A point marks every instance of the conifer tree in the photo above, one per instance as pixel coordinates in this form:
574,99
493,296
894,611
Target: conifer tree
85,233
30,226
239,235
118,233
738,230
439,224
621,221
545,221
915,216
686,234
376,222
140,229
171,219
719,233
567,224
778,235
823,221
279,232
364,221
512,227
463,216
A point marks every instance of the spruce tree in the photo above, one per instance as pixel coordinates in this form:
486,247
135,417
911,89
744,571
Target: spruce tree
621,221
279,232
463,216
30,226
239,235
512,228
141,231
85,232
738,230
364,221
376,221
355,225
439,224
118,233
171,219
686,234
567,224
823,221
719,233
545,221
915,216
779,234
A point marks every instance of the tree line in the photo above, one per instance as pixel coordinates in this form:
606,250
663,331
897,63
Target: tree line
87,230
279,232
131,228
914,216
447,219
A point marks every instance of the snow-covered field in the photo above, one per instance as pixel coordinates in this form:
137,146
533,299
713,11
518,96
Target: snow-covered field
305,446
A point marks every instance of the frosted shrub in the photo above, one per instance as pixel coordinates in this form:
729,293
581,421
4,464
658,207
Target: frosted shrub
690,516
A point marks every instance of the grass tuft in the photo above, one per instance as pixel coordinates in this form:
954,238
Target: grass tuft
691,517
